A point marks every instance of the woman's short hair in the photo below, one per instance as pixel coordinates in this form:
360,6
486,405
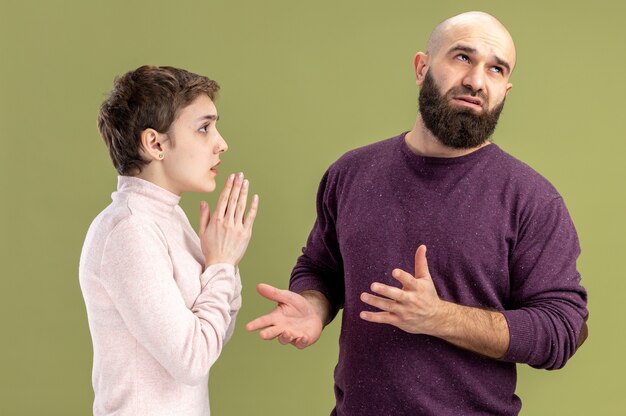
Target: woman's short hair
148,97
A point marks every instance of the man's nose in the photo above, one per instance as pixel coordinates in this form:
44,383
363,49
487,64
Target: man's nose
475,79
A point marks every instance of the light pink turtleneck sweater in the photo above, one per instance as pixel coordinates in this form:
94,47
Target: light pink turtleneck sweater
157,321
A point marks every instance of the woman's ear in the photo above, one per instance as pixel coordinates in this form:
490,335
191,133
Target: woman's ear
151,144
420,64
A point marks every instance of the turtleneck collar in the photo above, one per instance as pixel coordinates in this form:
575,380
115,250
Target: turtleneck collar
146,195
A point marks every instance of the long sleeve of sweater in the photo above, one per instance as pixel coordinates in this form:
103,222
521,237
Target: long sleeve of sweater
137,274
320,267
548,306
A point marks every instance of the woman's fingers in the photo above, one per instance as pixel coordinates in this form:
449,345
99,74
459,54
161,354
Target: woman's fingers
254,206
226,233
222,202
242,201
234,197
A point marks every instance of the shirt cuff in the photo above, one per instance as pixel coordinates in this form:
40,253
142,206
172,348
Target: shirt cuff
521,336
220,271
313,283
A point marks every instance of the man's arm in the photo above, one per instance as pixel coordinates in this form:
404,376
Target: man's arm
416,308
481,331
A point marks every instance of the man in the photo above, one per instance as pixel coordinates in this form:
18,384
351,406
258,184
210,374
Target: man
500,285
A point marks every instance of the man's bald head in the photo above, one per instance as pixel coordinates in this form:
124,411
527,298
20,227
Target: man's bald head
480,21
464,79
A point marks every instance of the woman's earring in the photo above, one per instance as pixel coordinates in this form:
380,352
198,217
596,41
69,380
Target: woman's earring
160,155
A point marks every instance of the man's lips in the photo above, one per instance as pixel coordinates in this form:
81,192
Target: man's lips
468,101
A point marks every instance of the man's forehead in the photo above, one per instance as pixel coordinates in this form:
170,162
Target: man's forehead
484,42
476,29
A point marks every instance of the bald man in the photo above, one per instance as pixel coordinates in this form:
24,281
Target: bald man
438,333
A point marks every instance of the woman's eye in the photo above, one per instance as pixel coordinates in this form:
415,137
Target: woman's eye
204,129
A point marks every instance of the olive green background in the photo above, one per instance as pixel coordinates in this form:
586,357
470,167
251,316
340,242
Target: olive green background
302,82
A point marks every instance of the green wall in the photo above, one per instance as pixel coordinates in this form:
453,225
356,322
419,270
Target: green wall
302,82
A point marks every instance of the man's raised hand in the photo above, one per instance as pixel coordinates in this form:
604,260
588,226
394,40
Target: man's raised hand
294,320
414,308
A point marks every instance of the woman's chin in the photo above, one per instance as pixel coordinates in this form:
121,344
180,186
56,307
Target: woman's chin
204,186
207,187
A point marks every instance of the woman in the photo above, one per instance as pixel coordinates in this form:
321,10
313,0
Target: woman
161,300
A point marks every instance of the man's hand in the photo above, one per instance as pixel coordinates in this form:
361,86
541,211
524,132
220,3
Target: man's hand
296,320
415,308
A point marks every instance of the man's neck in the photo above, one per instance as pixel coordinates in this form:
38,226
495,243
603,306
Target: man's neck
422,142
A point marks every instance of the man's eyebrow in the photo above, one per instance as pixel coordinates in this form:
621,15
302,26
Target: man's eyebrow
471,50
503,63
462,48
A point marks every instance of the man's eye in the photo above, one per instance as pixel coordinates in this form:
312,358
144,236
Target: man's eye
463,58
496,69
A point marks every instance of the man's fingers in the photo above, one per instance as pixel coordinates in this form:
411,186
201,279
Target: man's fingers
275,294
379,317
222,202
284,338
261,322
378,302
205,216
407,280
387,291
301,342
421,264
270,333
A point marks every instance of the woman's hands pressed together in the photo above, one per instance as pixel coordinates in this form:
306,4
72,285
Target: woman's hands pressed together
225,234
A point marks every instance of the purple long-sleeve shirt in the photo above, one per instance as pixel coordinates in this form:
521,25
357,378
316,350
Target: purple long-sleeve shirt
498,235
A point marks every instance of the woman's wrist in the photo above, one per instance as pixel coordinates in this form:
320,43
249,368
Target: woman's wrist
214,262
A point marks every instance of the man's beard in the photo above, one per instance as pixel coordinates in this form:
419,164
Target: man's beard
456,127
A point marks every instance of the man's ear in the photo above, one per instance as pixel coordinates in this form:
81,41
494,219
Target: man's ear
151,145
508,89
420,64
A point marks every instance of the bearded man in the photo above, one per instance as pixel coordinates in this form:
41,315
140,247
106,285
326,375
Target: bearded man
440,336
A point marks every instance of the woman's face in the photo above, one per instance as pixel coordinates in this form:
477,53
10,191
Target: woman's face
192,152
